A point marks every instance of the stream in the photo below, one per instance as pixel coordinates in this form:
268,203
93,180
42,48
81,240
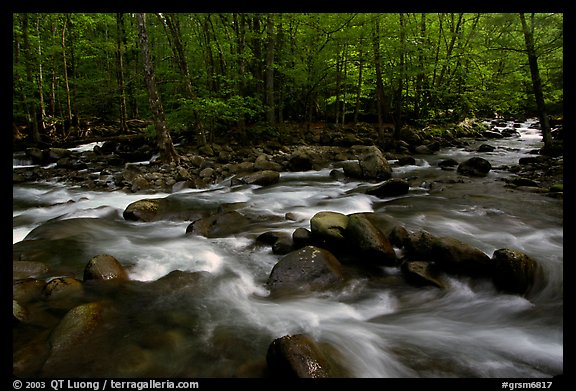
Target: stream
221,326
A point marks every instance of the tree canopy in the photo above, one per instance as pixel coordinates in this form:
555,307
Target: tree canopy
221,71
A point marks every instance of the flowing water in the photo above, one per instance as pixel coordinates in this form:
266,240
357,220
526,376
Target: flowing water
222,324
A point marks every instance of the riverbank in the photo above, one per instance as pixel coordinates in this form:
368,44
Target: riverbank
128,162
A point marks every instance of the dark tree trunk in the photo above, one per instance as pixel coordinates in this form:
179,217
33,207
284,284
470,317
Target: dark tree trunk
120,69
536,82
167,152
172,26
269,79
36,123
399,91
240,31
66,82
359,85
383,104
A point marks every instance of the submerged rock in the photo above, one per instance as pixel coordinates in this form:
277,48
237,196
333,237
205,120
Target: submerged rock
299,356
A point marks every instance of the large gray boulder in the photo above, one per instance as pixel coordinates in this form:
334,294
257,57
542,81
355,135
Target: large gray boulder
448,254
369,243
219,225
305,270
374,165
328,226
475,166
514,271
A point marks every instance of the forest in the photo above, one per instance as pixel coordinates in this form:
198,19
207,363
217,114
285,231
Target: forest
204,196
246,76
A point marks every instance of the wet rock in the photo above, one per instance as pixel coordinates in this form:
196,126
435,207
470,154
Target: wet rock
475,166
305,270
73,331
29,289
280,241
219,225
447,163
420,273
513,271
264,163
28,360
455,256
406,160
19,313
486,148
369,243
374,165
104,267
301,237
448,254
25,269
328,227
352,169
391,188
142,210
385,223
492,134
301,160
299,356
63,292
261,178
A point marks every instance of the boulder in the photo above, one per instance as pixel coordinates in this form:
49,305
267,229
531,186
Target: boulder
104,267
305,270
142,210
391,188
261,178
419,273
475,166
374,165
370,245
513,271
219,225
328,226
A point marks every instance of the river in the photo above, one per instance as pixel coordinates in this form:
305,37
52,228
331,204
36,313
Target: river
222,328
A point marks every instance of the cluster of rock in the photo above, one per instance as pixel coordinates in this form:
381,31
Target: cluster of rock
335,250
129,164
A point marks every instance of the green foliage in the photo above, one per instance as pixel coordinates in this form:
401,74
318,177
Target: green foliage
150,132
437,66
213,111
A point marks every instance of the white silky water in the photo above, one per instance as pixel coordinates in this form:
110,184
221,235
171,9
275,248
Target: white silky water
223,325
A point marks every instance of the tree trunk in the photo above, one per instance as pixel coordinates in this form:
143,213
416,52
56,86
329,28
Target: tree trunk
167,152
33,110
382,102
240,30
345,60
399,91
172,26
269,79
40,88
536,81
68,121
359,85
120,69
